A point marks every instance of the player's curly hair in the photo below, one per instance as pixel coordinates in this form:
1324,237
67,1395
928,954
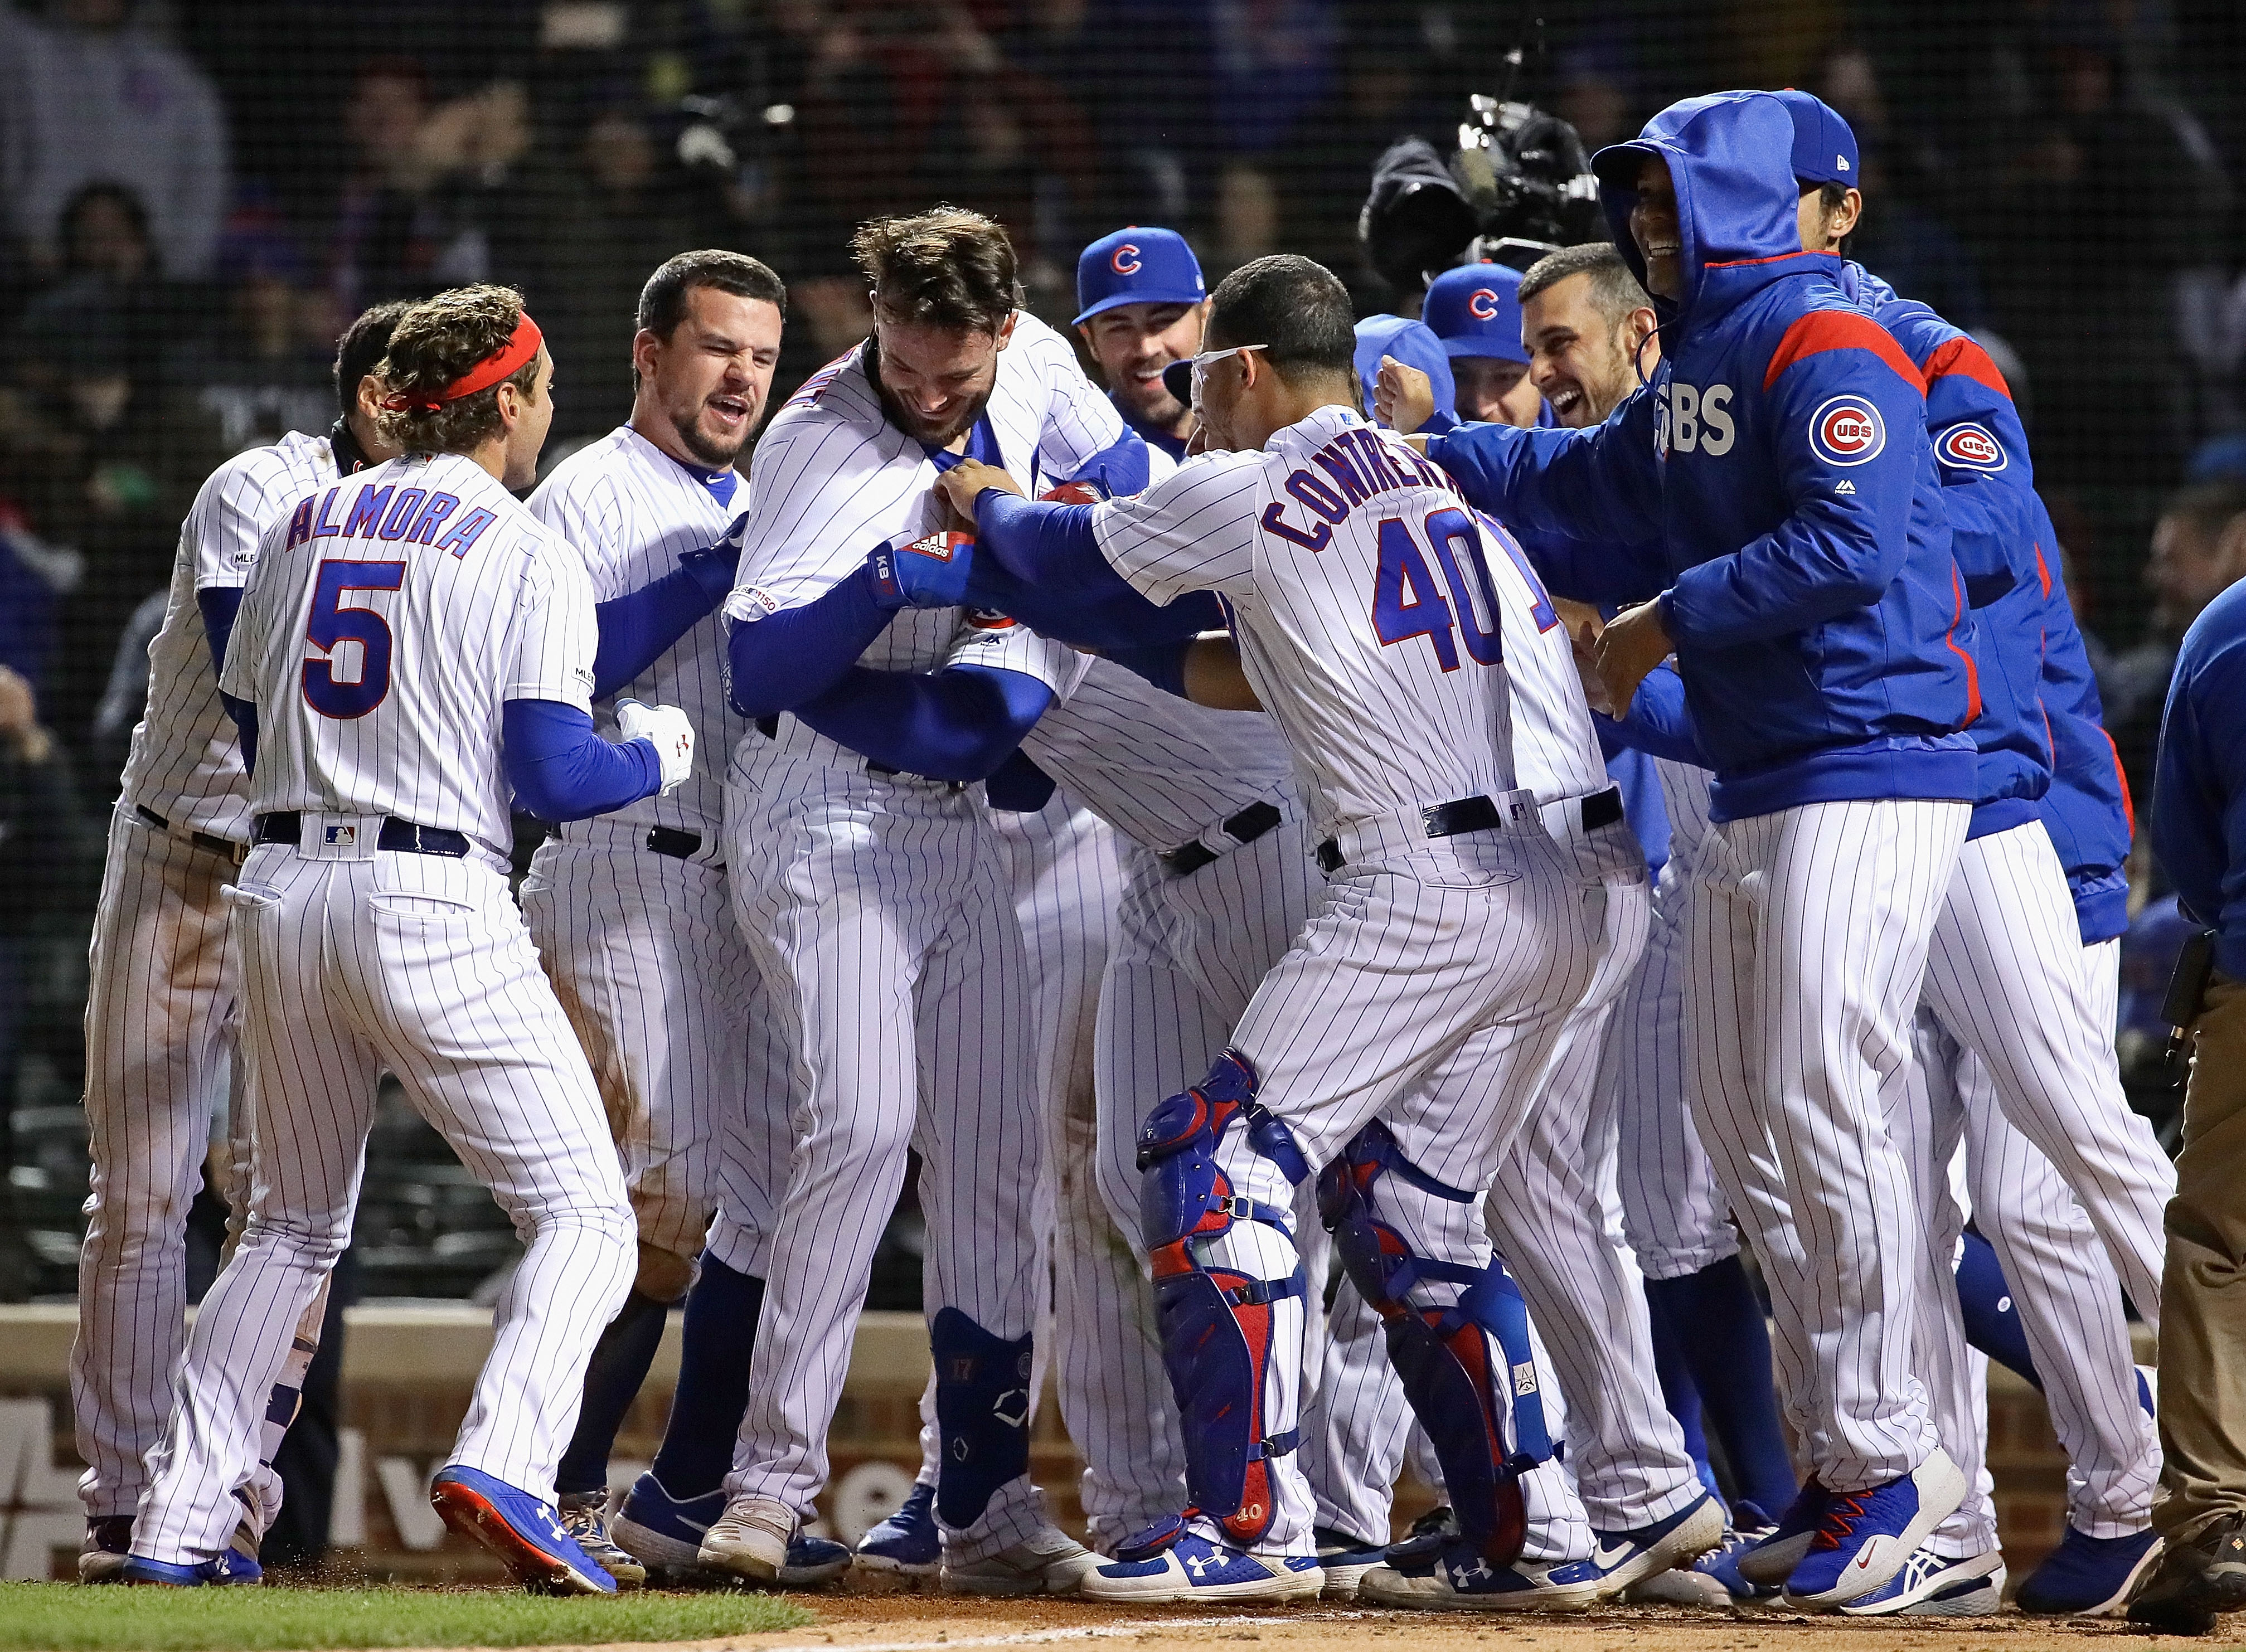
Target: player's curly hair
435,342
946,267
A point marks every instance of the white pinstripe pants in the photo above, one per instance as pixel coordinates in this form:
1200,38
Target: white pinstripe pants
878,913
421,965
1808,930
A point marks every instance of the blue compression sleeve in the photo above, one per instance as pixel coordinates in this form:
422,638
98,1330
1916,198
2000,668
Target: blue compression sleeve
219,604
1124,467
1162,664
563,770
245,722
1659,723
1018,786
786,658
1041,563
636,629
958,724
1042,543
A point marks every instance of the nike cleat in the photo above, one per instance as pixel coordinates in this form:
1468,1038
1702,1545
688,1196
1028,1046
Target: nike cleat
1623,1558
1867,1537
906,1545
1345,1559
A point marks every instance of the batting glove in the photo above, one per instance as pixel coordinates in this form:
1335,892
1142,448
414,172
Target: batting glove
929,572
666,729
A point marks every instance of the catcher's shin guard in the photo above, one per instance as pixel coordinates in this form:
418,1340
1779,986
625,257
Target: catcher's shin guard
982,1414
1441,1354
1216,1321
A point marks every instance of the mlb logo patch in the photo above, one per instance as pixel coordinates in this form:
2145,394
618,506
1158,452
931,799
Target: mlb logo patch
343,837
1847,430
1972,447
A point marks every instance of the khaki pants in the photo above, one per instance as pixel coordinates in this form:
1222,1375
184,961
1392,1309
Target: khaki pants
2203,1288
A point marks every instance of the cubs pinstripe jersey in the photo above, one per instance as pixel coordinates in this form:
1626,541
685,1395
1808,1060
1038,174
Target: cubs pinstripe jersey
834,480
185,763
1159,768
1685,790
1363,602
629,509
389,618
1554,748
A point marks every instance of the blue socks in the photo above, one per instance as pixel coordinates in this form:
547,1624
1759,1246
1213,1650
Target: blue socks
1992,1320
1717,1322
612,1377
1679,1395
713,1381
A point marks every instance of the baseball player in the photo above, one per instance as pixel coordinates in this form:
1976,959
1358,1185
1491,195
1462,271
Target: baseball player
1843,792
1475,311
878,910
631,911
1324,539
1141,305
160,1023
413,646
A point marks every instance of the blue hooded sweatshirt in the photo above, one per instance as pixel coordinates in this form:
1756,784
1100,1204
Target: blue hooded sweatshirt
1776,484
2042,706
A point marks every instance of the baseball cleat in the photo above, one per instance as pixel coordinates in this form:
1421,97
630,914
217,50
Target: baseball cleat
749,1539
906,1546
1345,1559
1934,1585
585,1517
1624,1557
1460,1580
1768,1561
1721,1564
1679,1585
1430,1535
1046,1562
221,1569
525,1531
1195,1567
2088,1577
1867,1537
664,1534
101,1557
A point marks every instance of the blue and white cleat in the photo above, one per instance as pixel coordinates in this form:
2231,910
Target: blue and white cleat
1623,1558
1867,1537
1345,1559
1461,1579
906,1545
525,1533
664,1534
2089,1577
1934,1586
1191,1565
1721,1564
227,1568
1768,1562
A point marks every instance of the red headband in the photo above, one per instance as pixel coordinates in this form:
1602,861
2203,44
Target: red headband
521,346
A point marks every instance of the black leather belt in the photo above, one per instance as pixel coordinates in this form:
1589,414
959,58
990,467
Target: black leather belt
399,837
1246,826
679,846
209,840
1602,808
1476,813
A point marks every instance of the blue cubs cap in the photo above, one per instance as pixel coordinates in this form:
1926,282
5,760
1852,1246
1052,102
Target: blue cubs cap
1137,266
1824,147
1475,310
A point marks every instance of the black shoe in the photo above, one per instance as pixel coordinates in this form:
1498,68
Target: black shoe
2196,1581
101,1557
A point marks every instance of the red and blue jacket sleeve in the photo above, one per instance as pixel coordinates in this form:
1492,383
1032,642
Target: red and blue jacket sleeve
1836,385
1602,486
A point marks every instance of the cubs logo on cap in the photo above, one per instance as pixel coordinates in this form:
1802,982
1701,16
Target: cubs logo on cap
1475,310
1970,446
1847,430
1140,265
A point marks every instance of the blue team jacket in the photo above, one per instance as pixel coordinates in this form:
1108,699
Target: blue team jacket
2199,790
1776,479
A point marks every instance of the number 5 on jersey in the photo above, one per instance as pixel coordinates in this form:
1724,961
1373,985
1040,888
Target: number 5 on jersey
333,622
1407,601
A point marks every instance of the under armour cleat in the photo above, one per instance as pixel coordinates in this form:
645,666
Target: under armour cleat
1048,1562
1770,1561
220,1569
1193,1566
1623,1558
101,1557
1461,1579
1345,1559
906,1546
1866,1537
1934,1585
2089,1577
585,1517
525,1531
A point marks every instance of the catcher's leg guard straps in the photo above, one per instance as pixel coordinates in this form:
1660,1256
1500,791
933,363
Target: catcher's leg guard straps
982,1414
1217,1320
1441,1352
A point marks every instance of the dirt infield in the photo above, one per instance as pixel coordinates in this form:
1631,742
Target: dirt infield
856,1622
